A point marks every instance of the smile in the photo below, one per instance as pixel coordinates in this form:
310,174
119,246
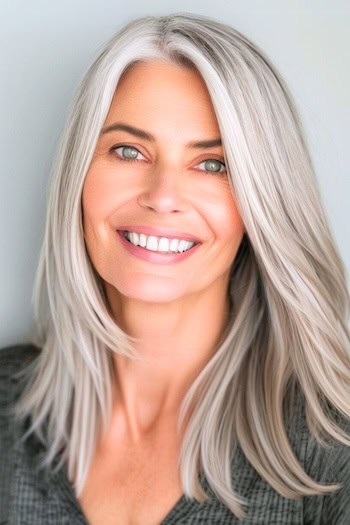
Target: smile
152,254
158,244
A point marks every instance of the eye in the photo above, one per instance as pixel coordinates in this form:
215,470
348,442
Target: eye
131,152
212,165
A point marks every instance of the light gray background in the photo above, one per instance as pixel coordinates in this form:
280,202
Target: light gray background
45,48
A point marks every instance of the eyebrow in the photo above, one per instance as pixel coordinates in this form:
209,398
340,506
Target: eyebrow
147,136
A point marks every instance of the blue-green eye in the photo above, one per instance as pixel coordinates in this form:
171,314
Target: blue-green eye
214,165
129,154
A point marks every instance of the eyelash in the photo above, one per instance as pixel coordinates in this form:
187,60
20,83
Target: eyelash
133,160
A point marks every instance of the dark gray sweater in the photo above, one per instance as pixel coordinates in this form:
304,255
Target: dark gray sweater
31,498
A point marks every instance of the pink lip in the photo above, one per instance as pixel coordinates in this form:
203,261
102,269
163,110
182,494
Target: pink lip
160,232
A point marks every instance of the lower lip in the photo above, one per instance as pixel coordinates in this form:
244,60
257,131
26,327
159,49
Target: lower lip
156,257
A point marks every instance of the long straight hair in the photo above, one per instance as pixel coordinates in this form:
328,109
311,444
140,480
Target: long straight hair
289,300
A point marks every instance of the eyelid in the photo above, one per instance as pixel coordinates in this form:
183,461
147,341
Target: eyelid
214,156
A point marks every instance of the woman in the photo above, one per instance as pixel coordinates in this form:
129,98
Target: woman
191,363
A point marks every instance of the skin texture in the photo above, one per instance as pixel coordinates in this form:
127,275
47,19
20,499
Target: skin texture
177,310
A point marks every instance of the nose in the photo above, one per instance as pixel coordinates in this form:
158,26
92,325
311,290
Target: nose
163,191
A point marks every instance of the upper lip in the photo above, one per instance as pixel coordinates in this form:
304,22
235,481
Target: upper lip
160,232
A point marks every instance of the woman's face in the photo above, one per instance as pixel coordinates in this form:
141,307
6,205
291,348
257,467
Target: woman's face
168,186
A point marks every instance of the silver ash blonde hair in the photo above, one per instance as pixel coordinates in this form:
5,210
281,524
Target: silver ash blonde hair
288,292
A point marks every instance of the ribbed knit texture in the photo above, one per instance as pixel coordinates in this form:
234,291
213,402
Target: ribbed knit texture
29,497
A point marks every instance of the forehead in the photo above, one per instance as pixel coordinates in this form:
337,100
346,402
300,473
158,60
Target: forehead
161,91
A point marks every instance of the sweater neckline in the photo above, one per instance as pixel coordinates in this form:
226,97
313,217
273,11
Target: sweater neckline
59,484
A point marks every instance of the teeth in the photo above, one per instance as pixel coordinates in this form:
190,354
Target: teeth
158,244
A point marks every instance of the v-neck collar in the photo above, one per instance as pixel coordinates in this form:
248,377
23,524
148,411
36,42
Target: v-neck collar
60,486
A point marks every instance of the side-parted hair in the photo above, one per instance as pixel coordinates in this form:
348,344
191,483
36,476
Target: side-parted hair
288,326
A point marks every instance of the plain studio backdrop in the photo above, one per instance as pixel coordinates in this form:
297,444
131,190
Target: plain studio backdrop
45,49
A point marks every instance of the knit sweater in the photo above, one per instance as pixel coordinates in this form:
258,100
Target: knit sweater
29,497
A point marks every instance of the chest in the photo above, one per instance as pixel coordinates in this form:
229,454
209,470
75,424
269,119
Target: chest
132,486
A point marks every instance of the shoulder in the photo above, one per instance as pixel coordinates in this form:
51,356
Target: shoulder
329,465
14,360
14,357
16,354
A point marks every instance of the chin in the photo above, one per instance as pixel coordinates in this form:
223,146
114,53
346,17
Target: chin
147,290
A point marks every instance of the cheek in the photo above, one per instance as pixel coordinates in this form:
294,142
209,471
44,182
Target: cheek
226,217
98,198
235,226
96,207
